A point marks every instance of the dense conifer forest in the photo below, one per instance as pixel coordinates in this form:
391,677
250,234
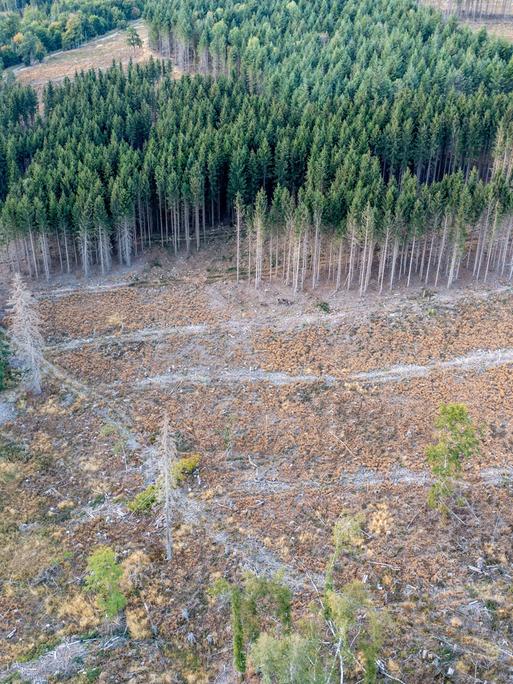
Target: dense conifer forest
354,142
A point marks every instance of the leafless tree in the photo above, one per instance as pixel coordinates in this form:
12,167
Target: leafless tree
167,456
25,332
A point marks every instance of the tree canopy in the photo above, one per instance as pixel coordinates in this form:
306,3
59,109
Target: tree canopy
40,27
377,137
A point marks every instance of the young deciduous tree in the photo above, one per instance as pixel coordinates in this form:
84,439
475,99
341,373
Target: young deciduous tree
133,39
25,332
458,439
254,601
344,637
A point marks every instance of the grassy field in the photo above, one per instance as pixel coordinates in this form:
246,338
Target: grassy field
98,54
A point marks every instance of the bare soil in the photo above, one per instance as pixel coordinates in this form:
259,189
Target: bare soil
298,415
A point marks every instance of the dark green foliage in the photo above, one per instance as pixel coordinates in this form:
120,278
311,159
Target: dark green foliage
375,121
133,39
93,674
239,654
4,361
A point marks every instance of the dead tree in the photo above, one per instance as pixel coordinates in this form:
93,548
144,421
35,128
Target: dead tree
25,332
167,457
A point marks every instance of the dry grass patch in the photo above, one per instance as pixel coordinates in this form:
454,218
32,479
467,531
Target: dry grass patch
77,611
96,54
138,623
24,557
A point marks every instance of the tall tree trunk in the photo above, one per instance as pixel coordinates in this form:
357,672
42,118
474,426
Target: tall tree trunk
395,252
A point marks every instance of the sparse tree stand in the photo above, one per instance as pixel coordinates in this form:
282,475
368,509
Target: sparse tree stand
458,438
25,332
167,456
133,39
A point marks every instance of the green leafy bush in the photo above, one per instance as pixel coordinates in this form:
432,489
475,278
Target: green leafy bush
343,637
250,603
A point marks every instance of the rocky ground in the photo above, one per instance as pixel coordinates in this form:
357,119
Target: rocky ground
301,407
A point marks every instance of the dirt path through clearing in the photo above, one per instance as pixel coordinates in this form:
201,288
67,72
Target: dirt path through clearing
475,361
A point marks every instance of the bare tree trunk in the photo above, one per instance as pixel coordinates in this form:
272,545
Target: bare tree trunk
305,255
453,262
383,261
411,261
351,258
492,238
395,252
506,245
339,265
297,257
125,241
259,239
66,251
85,251
45,253
34,260
167,457
25,332
197,225
238,220
442,247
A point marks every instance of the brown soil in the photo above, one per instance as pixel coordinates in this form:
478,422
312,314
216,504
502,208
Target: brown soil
279,462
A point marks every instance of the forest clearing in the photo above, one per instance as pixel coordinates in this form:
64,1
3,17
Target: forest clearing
267,449
98,53
256,351
493,15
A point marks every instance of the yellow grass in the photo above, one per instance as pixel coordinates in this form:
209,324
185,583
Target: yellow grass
98,54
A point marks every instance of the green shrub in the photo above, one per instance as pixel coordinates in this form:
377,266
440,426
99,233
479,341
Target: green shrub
144,501
183,467
290,659
324,307
103,578
257,599
5,353
458,439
